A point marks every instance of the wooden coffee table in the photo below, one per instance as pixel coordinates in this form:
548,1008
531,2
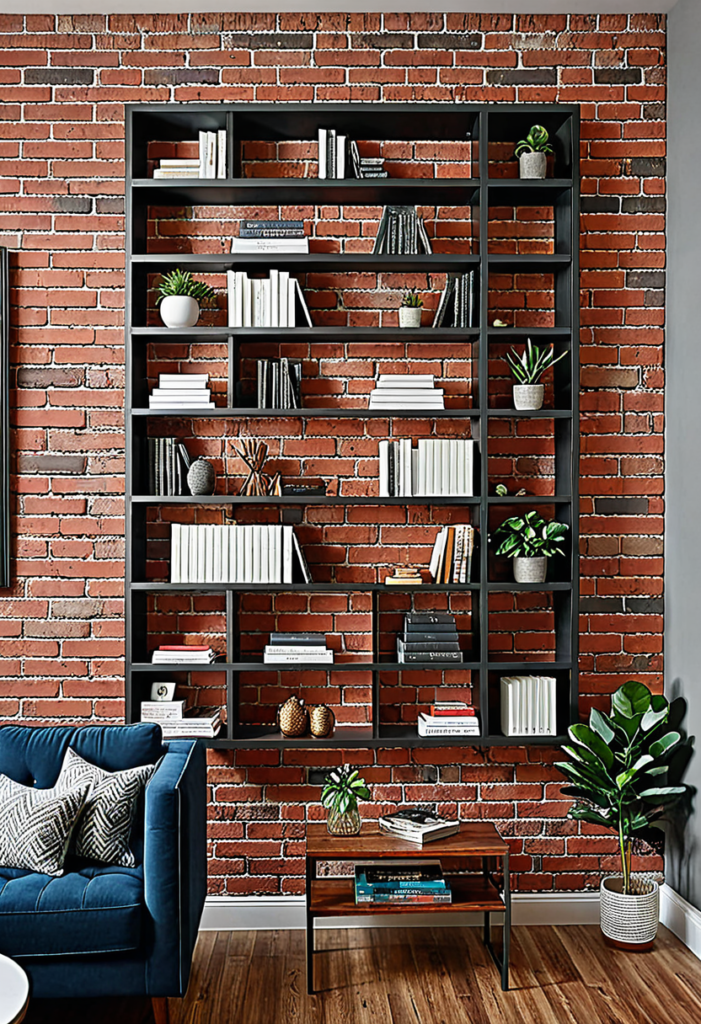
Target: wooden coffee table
14,991
487,892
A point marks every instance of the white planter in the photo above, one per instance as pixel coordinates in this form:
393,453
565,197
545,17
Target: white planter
530,570
179,311
533,165
410,316
528,396
630,920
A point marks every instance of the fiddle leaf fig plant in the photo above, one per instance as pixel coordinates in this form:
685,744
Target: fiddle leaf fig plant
530,365
343,789
535,142
625,767
530,536
181,282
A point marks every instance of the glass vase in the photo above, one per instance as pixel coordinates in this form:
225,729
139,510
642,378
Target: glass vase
346,823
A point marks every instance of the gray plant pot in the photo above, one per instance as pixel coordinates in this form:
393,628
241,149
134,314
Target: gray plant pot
533,165
528,396
410,316
530,570
200,477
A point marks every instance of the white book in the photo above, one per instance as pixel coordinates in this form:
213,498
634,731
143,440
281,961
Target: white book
415,380
508,693
240,554
414,470
240,277
438,551
266,302
256,542
383,454
322,152
296,649
255,302
283,301
455,463
232,534
184,161
287,554
341,156
223,554
420,482
186,379
274,298
291,304
216,553
221,153
197,555
211,169
275,554
180,392
185,543
159,403
281,245
231,298
209,535
298,659
202,168
175,173
175,535
426,729
247,300
406,464
445,467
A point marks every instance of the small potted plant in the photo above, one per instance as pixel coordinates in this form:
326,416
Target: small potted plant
528,367
179,296
532,153
340,795
625,769
410,310
530,541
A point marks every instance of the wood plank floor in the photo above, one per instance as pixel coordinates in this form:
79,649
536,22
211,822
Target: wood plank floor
417,976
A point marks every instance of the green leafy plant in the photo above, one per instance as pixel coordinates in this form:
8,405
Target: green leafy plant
343,789
530,536
530,365
625,768
412,300
181,282
535,142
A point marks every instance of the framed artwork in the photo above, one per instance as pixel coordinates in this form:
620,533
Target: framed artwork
4,419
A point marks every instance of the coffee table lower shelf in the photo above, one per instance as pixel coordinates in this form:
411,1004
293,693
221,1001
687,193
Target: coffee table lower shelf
335,897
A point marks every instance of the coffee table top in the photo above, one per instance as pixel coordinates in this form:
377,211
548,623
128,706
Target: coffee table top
14,991
475,839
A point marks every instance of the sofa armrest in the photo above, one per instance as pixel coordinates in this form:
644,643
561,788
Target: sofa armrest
175,865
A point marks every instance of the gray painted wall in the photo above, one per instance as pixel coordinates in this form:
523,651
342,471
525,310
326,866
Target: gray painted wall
683,408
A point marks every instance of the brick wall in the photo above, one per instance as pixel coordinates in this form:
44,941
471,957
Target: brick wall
63,81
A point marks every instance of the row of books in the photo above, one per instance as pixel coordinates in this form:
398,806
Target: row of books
264,301
332,153
270,236
176,721
401,882
459,301
401,231
528,705
409,391
449,718
211,162
176,654
168,463
451,559
265,553
436,467
429,637
181,390
279,383
297,648
417,825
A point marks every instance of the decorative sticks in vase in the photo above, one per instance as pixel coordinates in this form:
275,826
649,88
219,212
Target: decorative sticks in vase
257,483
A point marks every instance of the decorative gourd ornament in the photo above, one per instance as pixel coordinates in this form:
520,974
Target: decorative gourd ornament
321,721
292,718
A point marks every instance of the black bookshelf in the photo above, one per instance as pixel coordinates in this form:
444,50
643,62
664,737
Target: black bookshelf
483,124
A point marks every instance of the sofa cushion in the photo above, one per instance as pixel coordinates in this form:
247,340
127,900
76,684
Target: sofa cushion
88,910
36,824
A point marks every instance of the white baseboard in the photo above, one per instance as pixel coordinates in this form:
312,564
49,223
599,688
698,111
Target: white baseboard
680,917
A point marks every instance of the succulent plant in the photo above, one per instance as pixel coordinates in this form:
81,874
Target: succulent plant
412,300
535,142
530,365
181,282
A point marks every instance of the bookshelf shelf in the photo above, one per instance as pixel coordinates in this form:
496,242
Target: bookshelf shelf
492,422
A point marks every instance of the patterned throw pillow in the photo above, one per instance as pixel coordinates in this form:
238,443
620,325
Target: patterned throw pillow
105,825
36,825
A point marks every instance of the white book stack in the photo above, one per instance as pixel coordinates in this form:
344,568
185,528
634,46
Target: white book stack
265,553
407,391
449,719
436,467
264,302
211,162
528,706
181,391
297,649
202,722
178,654
252,245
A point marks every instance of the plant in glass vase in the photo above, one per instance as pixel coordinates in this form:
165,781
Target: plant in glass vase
530,541
340,795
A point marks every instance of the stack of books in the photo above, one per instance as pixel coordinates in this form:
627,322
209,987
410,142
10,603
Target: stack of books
211,162
417,825
297,648
451,559
442,467
176,654
176,722
430,637
173,168
264,301
270,236
279,383
181,391
401,232
528,706
332,153
449,718
367,166
418,881
460,298
267,553
408,391
404,575
168,463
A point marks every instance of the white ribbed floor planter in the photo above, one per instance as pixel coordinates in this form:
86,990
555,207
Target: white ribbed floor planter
533,165
410,316
630,921
530,570
529,396
179,311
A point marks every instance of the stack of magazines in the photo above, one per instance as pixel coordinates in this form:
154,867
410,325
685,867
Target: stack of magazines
181,391
270,236
449,718
429,637
418,881
191,654
175,721
409,392
297,649
417,825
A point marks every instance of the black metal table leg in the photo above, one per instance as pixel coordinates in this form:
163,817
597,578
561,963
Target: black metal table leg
310,872
507,926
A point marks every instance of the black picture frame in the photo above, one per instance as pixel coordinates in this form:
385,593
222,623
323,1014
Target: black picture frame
4,417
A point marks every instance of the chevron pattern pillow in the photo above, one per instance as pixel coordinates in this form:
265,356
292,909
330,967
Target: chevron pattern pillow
105,825
36,825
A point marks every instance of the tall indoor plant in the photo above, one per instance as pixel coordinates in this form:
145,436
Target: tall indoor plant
625,769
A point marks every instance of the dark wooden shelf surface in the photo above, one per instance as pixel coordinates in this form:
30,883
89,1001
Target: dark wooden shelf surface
475,839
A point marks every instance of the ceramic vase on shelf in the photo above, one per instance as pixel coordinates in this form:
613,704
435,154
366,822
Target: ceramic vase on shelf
201,477
179,311
530,570
533,165
346,823
410,316
629,922
528,396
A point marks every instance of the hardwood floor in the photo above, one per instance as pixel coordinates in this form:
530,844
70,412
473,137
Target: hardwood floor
417,976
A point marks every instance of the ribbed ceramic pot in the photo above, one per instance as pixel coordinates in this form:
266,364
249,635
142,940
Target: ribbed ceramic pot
528,396
200,477
321,721
533,165
410,316
179,311
630,921
346,824
530,570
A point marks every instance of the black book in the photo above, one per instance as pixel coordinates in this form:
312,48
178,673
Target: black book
434,637
381,237
301,559
424,645
430,618
444,300
298,639
391,469
434,656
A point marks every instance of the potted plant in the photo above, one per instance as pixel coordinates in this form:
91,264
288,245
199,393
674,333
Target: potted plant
532,153
530,541
340,795
625,770
528,367
410,310
179,296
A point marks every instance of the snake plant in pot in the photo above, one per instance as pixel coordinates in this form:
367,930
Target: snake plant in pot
625,769
527,368
530,541
340,795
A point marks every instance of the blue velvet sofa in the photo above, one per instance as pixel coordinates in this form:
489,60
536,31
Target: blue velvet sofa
100,930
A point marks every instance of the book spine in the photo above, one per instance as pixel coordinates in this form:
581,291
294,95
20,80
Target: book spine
436,656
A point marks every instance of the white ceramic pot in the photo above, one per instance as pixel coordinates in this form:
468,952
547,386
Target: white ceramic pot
530,570
410,316
533,165
528,396
179,311
630,921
